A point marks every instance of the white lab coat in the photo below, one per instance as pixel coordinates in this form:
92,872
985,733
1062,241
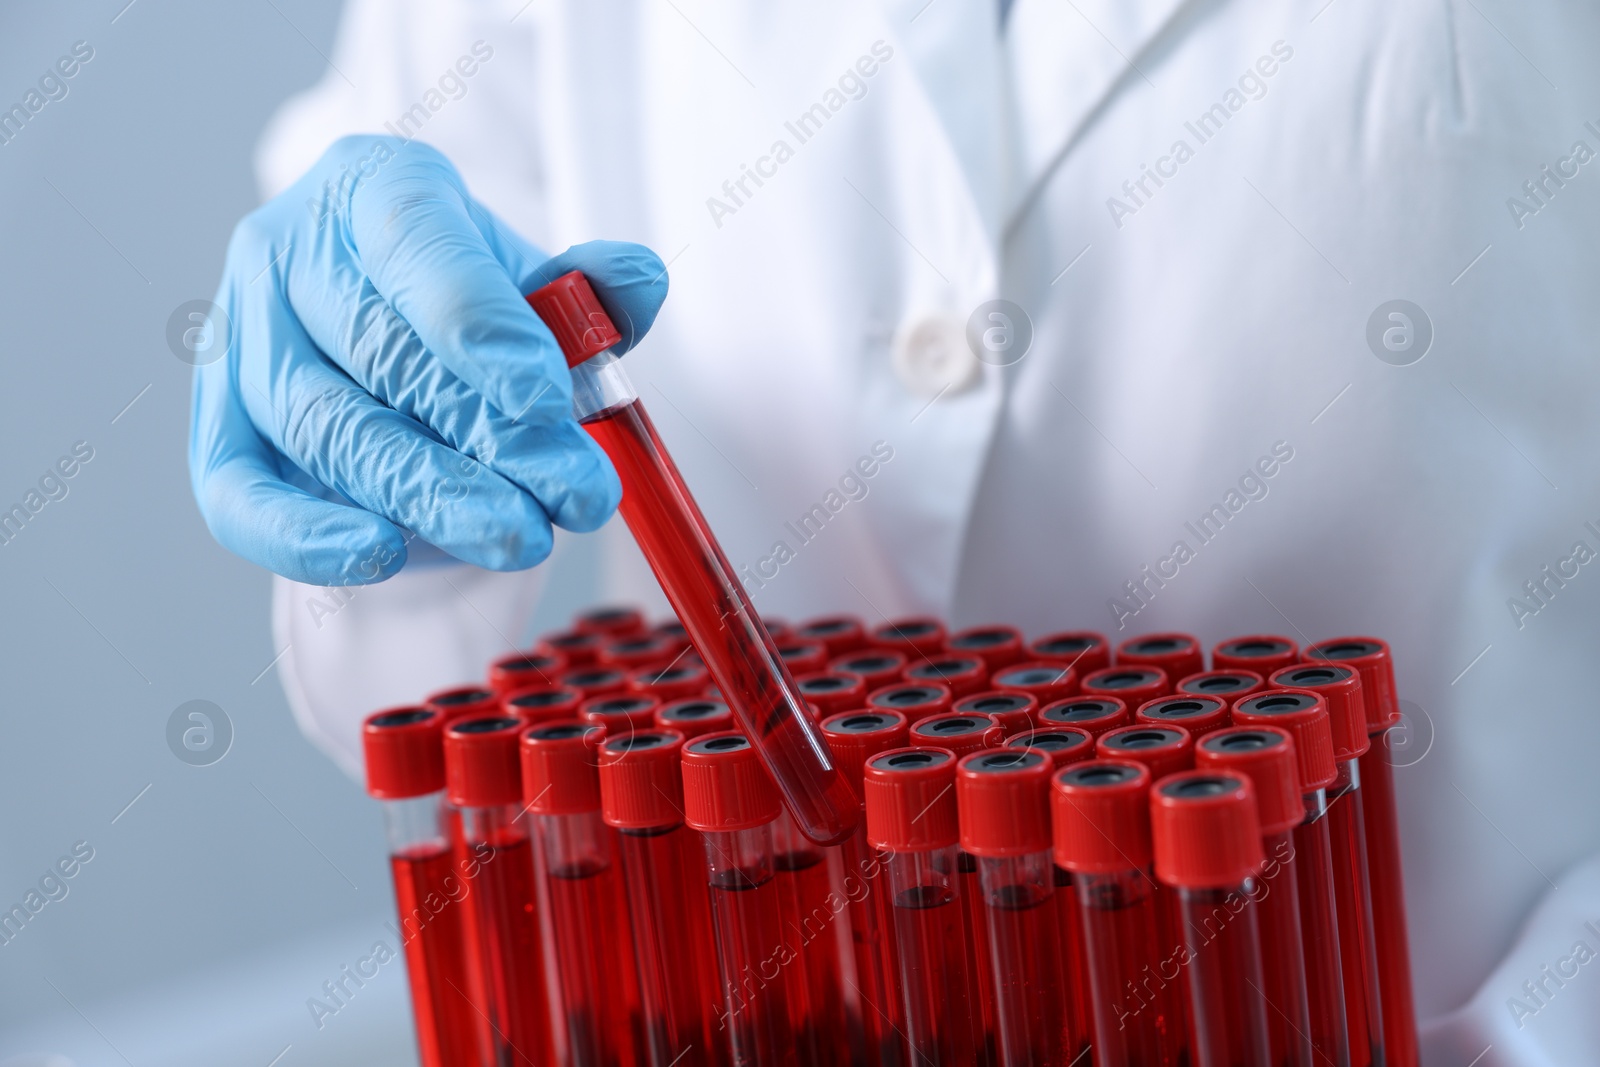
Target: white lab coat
1183,331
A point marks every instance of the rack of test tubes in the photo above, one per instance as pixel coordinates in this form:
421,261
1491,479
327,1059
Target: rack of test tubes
1046,852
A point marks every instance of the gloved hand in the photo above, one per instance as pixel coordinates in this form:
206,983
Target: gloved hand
386,380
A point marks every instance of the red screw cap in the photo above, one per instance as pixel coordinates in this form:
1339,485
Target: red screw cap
837,633
832,693
1048,682
962,675
404,750
1014,709
630,652
910,802
1198,715
1003,800
1164,749
1134,685
596,680
669,683
1204,828
1102,816
620,713
802,657
1340,687
694,717
542,703
610,621
520,670
641,780
854,736
961,734
481,765
1083,650
1063,746
569,307
1230,684
1265,755
559,773
915,702
1304,715
725,787
1177,654
579,649
463,701
919,634
997,646
1262,653
876,667
1370,656
1093,715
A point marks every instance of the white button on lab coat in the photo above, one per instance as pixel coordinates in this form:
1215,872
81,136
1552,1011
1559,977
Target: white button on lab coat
1204,211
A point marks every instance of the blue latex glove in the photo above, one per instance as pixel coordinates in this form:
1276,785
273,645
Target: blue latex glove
387,381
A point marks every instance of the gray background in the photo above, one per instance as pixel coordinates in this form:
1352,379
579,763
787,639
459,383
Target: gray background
225,895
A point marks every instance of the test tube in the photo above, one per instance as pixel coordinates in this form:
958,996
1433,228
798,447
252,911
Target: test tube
463,701
818,936
1092,715
875,666
483,777
915,701
838,633
1197,714
1373,659
1266,755
998,646
1164,749
915,636
520,670
1227,684
911,815
1101,817
610,621
620,713
1207,845
1179,655
1013,709
541,703
1048,682
405,769
669,683
1083,650
729,797
1003,800
589,918
1305,714
1262,653
832,693
691,568
577,647
694,717
963,675
855,737
1134,685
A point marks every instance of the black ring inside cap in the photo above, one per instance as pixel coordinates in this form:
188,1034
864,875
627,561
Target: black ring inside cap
943,667
403,717
1255,646
1066,644
1200,786
868,663
542,698
1154,646
981,638
486,725
1095,775
1279,703
582,678
911,761
995,702
951,725
860,724
910,629
1153,737
1218,683
1345,649
697,709
619,705
525,663
1310,677
1240,741
1049,740
635,742
460,696
1079,711
560,731
905,695
1032,676
720,743
1184,707
825,683
825,626
1004,761
1124,679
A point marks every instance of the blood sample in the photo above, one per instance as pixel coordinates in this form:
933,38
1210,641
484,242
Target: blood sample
691,568
1373,659
1048,682
521,670
815,978
578,648
855,737
669,683
1230,685
1064,746
694,717
641,790
831,693
876,667
1266,755
915,702
610,621
1083,650
405,770
729,797
596,681
1207,845
1101,812
1262,653
962,675
1305,714
1134,685
1164,749
911,814
1092,715
999,646
483,777
463,701
620,714
803,657
1179,655
1003,799
541,703
588,910
837,633
1199,715
1014,709
916,636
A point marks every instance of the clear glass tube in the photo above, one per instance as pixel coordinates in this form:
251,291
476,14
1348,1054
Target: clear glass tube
752,953
1319,935
1282,958
1388,903
872,941
1025,953
1135,1022
941,1009
816,990
1358,959
1228,1018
